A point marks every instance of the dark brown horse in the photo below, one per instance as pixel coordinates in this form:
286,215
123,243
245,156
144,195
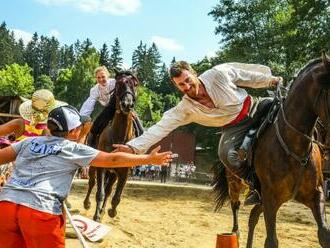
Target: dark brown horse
287,161
119,131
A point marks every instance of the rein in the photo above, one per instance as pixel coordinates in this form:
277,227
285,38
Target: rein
303,160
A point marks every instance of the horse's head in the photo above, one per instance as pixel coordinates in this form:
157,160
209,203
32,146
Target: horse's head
310,92
125,91
321,76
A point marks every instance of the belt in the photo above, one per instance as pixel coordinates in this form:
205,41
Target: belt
244,112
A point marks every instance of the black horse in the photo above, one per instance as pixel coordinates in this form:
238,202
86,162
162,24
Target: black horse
287,160
119,131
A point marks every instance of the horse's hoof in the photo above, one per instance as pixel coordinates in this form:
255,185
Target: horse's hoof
87,205
97,218
324,237
112,213
236,231
102,214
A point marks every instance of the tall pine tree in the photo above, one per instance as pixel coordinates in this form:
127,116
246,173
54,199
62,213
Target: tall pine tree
105,57
32,56
7,44
116,60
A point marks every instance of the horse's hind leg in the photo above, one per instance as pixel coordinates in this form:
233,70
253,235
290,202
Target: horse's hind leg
318,209
234,188
235,208
122,178
91,184
253,221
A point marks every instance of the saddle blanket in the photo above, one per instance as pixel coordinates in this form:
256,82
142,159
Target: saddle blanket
92,230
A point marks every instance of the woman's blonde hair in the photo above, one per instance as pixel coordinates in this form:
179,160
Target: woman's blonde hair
102,68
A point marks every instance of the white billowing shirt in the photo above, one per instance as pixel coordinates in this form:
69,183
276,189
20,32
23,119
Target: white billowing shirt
98,93
221,83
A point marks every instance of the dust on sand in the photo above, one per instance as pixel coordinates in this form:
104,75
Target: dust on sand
153,215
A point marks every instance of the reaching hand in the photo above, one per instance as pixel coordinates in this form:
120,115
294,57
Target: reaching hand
275,81
162,158
123,148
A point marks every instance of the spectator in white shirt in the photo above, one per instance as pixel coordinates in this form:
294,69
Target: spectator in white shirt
215,98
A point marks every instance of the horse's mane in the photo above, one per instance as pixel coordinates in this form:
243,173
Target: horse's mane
120,74
302,70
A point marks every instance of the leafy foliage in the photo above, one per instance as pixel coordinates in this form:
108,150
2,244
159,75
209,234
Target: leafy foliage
44,82
16,80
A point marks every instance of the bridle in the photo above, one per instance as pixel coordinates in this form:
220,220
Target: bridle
128,90
304,159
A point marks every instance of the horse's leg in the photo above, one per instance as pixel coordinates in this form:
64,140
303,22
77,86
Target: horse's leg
108,188
91,184
234,188
235,208
318,208
253,221
99,193
122,178
271,206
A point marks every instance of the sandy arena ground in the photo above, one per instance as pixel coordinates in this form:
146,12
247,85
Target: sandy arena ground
153,215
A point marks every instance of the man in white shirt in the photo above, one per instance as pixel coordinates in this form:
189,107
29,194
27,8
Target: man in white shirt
101,92
213,99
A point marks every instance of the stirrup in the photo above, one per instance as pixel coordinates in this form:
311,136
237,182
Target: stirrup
253,198
242,154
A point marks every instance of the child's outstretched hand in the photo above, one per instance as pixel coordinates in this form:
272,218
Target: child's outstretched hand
162,158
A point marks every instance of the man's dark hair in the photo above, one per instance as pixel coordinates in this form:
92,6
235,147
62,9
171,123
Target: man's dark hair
53,129
177,68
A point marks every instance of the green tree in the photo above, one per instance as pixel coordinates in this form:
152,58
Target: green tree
19,52
61,84
7,45
66,57
105,57
149,106
82,78
286,33
49,56
32,56
16,80
44,82
116,60
146,62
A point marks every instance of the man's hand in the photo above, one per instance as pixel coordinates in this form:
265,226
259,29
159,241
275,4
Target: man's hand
123,148
275,81
162,158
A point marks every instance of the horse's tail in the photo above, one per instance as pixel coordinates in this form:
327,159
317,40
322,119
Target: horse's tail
220,185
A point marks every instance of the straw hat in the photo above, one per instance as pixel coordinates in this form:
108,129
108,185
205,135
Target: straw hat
36,110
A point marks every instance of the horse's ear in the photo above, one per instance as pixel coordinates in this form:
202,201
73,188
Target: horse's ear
326,60
323,77
117,71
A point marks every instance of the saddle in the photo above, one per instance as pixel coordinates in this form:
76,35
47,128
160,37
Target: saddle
265,115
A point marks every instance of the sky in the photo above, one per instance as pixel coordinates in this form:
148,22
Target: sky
180,28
